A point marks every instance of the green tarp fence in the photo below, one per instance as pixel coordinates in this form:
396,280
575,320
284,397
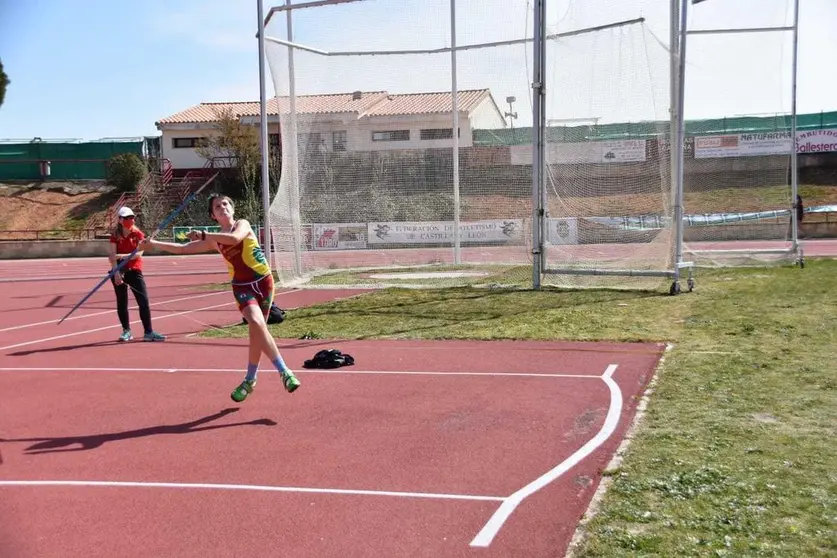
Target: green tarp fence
648,130
68,161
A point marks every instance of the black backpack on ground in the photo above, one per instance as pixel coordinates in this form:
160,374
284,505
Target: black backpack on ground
276,315
329,358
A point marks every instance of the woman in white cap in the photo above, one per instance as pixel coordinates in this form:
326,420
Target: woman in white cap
123,242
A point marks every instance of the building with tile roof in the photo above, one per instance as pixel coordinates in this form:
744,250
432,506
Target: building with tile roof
355,121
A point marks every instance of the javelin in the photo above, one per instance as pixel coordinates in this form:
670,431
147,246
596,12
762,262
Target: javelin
115,270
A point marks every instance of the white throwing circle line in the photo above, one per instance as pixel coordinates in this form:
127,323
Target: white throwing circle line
510,503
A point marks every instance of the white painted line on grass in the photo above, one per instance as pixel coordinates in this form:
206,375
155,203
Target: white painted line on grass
302,371
510,503
161,303
250,487
117,326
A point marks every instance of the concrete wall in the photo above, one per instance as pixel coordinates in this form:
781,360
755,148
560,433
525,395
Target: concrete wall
27,249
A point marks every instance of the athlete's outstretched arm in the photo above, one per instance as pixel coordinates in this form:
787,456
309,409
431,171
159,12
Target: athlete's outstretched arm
194,247
239,232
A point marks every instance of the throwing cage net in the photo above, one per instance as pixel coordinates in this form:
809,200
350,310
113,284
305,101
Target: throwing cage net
379,187
608,182
373,183
738,169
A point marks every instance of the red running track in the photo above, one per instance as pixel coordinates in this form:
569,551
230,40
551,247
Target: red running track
444,448
414,451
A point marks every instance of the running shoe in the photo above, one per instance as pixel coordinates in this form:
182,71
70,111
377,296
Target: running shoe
291,382
244,389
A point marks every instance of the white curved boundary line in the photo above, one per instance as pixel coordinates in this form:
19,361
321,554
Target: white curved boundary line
250,487
510,503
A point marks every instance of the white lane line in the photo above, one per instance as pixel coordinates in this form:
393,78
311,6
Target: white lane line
156,259
161,303
303,371
510,503
117,326
99,276
250,487
135,308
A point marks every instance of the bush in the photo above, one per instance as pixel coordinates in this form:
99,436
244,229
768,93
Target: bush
125,171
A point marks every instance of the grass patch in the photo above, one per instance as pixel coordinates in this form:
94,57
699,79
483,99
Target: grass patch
736,455
75,223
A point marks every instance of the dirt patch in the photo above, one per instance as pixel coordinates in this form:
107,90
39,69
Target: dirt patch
50,206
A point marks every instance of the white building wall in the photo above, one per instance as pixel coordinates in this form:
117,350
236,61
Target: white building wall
183,157
486,116
362,133
358,132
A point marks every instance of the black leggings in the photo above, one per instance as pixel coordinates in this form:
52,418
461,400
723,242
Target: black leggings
132,279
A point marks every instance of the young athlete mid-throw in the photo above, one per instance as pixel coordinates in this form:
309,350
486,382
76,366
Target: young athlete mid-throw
251,280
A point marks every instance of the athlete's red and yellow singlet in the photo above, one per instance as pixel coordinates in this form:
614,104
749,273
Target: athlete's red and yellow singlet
250,276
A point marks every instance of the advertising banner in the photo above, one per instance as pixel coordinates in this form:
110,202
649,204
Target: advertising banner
617,151
441,232
561,231
339,236
816,141
773,143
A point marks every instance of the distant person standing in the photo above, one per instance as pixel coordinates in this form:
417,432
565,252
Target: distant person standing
799,207
123,242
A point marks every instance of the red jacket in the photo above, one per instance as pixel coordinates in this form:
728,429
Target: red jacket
127,244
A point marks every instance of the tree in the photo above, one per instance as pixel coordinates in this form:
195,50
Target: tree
125,171
236,146
4,83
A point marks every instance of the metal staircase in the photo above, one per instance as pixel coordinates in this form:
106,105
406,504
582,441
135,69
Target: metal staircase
159,193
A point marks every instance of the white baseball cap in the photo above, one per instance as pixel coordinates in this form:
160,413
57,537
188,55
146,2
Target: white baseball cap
125,212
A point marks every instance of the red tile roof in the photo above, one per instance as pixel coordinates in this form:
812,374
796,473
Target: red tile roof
375,103
428,103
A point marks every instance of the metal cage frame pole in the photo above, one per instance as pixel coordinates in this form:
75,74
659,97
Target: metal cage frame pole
538,124
674,53
263,136
442,50
678,31
457,240
794,149
293,146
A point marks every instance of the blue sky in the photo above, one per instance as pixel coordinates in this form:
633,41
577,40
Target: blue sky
89,69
